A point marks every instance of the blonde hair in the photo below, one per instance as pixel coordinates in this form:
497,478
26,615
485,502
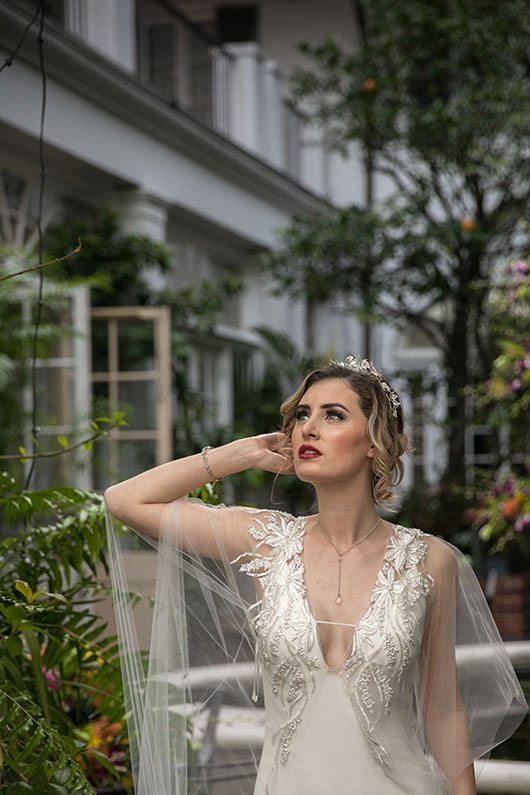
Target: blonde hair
385,432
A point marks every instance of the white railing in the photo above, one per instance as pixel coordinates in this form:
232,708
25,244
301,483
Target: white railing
234,89
236,726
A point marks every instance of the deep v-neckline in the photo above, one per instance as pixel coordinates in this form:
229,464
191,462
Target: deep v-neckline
365,613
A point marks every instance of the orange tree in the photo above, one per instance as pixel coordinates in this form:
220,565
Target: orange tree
436,97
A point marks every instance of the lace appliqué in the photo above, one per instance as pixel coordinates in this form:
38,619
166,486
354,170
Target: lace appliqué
285,637
381,655
382,649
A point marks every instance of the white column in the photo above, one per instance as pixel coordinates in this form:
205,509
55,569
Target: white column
82,382
107,26
142,214
272,117
245,95
225,387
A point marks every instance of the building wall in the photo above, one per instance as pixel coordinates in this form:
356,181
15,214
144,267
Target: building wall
109,141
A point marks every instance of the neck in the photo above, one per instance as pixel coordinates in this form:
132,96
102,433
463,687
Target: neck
346,521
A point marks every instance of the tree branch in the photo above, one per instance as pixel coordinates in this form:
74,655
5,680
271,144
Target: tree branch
55,261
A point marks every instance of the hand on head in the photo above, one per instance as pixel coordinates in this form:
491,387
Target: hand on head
274,453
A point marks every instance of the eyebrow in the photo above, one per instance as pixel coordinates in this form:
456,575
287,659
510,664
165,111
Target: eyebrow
324,406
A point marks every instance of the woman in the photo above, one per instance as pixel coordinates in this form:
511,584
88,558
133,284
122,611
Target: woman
356,620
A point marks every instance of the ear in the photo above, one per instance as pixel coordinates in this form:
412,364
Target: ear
371,452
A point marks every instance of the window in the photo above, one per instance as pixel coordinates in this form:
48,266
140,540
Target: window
62,384
237,23
162,59
131,363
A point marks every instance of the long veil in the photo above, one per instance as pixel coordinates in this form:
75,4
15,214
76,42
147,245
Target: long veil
195,711
191,715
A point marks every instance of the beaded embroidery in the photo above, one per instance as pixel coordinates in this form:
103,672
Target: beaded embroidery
287,633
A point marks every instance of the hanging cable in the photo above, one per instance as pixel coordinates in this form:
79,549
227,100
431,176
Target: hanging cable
40,42
9,60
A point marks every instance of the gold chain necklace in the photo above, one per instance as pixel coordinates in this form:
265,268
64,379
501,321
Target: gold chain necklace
341,555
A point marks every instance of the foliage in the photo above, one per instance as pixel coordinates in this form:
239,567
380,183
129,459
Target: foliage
502,517
114,260
442,507
16,297
58,665
258,396
443,118
34,751
503,520
505,396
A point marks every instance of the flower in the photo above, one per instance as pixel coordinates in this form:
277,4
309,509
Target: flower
52,677
370,85
105,737
510,508
503,519
468,224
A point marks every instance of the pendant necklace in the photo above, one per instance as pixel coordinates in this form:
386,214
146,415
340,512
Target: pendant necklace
341,555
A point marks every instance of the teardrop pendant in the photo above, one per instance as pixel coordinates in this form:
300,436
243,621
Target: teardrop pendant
338,600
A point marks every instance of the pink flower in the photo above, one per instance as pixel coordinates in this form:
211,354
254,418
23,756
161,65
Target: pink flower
515,386
52,678
523,523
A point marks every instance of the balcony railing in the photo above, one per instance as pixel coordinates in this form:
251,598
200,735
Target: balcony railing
192,71
182,64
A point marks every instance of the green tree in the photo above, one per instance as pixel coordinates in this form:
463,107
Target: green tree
436,97
114,260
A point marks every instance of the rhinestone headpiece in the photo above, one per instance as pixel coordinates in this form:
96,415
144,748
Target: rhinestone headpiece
364,366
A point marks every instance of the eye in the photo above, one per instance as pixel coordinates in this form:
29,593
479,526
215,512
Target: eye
336,413
299,413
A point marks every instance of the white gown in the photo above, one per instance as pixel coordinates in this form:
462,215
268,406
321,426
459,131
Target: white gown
426,687
347,732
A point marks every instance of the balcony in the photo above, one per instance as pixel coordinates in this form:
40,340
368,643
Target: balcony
234,89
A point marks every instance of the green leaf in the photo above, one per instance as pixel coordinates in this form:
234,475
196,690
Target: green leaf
35,750
103,760
24,589
14,646
63,441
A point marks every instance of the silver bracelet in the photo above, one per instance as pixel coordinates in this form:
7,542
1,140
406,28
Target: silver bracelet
207,465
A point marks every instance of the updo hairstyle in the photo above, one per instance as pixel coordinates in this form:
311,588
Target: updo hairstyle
385,432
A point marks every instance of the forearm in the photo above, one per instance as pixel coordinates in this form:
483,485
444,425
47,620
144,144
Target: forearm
465,783
173,480
450,745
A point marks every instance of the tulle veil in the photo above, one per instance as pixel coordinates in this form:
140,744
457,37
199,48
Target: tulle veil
195,707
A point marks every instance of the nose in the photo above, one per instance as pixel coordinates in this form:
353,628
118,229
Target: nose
309,428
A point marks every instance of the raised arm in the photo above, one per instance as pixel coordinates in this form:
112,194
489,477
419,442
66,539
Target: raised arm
443,711
141,501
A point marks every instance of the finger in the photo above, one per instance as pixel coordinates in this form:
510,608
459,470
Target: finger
275,436
282,463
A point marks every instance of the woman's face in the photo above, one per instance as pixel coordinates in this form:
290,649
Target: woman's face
329,438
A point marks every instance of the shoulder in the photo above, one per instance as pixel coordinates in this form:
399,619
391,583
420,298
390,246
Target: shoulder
441,560
439,555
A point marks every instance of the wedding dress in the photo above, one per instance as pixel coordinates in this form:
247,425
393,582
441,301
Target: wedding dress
426,685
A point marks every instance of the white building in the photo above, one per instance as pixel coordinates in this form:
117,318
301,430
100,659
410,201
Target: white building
196,144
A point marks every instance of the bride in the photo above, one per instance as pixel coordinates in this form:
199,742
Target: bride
382,669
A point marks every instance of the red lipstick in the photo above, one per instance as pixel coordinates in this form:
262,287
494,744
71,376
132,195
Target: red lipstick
308,451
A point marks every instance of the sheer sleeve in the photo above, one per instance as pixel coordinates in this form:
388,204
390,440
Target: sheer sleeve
198,679
468,693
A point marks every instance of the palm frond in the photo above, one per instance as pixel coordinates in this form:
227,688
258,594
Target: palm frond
33,752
